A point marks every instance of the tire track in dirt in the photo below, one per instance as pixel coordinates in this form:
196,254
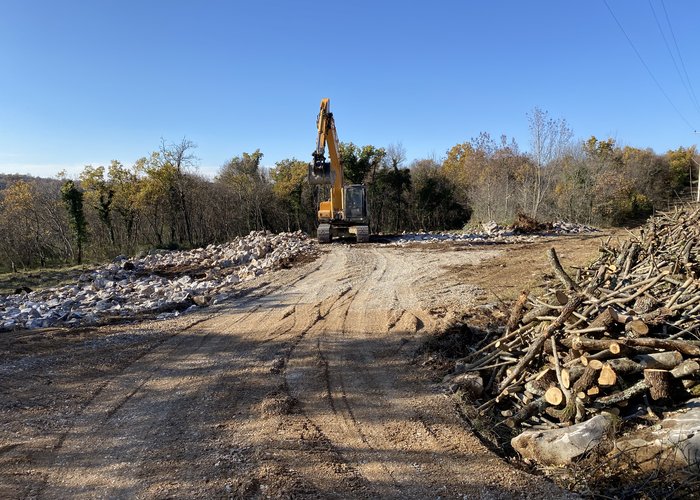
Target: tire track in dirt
74,463
331,383
303,387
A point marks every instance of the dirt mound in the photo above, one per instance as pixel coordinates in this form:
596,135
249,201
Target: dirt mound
524,224
278,403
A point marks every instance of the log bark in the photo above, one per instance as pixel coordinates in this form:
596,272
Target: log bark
527,411
562,298
536,312
687,347
538,344
600,356
687,368
659,382
664,360
656,317
586,380
618,397
605,319
559,271
539,385
625,366
517,312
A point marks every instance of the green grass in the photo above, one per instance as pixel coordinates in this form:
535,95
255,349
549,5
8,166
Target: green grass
39,279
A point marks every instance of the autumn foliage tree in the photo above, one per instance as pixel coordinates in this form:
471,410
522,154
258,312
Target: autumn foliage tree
294,193
161,201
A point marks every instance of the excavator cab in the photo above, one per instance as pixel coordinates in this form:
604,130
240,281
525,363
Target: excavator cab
355,204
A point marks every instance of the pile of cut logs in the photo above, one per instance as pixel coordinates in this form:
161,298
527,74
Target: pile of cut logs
621,336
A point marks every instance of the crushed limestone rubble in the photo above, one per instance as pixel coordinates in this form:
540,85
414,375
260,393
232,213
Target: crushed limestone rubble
490,232
164,282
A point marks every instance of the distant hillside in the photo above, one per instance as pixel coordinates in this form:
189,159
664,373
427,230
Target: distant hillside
7,179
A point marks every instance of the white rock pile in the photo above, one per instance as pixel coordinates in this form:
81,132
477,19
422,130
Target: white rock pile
490,232
164,282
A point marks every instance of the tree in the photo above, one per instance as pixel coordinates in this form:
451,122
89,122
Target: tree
649,173
360,164
126,185
290,185
507,161
574,193
73,198
549,140
17,224
682,166
433,195
182,159
460,166
484,173
155,198
623,181
389,187
100,194
246,182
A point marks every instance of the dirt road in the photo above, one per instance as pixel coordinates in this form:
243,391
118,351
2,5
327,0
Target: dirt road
302,386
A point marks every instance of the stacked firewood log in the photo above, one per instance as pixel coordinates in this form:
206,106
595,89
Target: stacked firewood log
620,336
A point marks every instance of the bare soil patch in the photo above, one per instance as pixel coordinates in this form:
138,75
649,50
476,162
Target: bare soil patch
305,385
524,265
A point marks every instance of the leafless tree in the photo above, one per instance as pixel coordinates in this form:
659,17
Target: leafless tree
181,157
549,140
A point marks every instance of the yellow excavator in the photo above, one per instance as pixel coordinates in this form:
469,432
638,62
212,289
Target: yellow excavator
345,212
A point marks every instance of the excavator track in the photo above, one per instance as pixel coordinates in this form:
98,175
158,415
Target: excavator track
362,234
324,233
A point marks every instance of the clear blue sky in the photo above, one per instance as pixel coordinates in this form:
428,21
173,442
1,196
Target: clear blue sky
85,82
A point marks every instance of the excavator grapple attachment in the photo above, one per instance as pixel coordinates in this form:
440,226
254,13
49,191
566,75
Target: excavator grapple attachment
321,174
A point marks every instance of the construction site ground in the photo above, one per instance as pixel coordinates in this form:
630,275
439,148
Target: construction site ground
305,385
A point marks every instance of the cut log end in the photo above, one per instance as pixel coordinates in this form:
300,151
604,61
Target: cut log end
596,364
565,378
636,328
607,377
554,396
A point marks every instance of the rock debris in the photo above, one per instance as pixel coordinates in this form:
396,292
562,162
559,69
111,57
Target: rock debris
163,283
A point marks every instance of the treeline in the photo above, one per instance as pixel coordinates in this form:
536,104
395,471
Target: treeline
162,202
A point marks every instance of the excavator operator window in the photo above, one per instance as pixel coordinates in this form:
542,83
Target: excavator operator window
354,202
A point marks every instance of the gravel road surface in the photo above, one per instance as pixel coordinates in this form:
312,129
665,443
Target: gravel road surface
302,386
